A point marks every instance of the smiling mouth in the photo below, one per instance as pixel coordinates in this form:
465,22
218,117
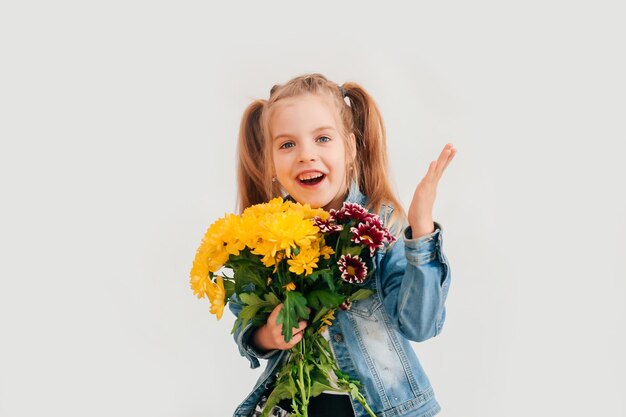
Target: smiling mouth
311,179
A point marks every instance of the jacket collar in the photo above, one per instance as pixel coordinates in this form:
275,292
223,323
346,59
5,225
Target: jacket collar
355,195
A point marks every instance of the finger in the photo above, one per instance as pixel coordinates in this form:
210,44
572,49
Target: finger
431,172
288,345
294,340
274,313
444,159
301,326
444,156
450,158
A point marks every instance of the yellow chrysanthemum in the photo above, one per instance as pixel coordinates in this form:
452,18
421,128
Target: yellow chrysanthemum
219,241
249,231
199,285
305,261
306,212
283,232
217,296
289,287
234,234
272,230
275,205
278,226
325,251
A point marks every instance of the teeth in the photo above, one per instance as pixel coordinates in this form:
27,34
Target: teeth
310,176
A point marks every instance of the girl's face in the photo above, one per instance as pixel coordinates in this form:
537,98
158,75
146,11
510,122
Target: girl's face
308,152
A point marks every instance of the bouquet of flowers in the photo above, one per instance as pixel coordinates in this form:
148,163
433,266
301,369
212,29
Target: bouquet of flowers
312,261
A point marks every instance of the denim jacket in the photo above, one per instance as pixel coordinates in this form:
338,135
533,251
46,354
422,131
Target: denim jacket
371,340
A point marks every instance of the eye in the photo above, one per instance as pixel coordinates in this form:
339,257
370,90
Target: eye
287,145
323,139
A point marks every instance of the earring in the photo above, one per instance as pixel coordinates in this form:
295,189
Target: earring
273,179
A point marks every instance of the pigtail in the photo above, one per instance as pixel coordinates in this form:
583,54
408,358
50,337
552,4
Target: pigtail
371,163
251,154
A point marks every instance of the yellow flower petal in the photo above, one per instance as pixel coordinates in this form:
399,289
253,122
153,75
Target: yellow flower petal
217,296
305,261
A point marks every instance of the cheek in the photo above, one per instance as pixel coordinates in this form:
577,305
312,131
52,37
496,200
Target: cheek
281,165
339,161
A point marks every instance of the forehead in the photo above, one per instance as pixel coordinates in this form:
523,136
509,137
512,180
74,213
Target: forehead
304,112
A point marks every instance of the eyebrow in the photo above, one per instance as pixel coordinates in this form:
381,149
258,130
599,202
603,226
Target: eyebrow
319,129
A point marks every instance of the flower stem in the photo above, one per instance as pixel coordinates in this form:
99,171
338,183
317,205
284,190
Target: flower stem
361,399
303,392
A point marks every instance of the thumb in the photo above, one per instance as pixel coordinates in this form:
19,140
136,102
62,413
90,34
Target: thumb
274,314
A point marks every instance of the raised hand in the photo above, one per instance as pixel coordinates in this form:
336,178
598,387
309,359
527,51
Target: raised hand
421,209
270,336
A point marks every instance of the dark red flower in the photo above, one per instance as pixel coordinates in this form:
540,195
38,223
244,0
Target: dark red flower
327,226
379,224
351,211
353,269
346,305
371,234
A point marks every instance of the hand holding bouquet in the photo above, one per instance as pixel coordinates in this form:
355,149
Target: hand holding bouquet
311,261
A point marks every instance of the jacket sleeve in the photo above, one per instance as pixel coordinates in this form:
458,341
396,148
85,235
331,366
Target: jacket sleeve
414,281
242,338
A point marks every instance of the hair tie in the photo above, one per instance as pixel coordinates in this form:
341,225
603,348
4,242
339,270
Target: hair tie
342,91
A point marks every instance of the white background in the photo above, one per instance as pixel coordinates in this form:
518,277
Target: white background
118,123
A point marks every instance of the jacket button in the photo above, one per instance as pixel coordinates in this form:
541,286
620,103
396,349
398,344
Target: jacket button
338,337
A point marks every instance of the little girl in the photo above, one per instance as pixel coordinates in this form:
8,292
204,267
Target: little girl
322,144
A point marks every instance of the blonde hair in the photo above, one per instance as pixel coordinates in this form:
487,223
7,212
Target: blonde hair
360,119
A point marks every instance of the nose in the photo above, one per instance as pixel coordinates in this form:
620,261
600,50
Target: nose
307,153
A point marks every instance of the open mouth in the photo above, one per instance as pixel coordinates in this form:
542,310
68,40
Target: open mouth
311,178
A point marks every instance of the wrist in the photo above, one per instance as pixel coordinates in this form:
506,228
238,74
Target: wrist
259,339
422,228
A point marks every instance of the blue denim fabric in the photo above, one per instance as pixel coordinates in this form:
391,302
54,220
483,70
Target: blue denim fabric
371,340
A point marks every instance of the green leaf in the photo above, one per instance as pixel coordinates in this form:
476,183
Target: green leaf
352,250
250,298
318,387
361,294
325,298
256,309
327,276
320,272
271,298
248,313
283,390
246,274
320,314
294,307
229,286
238,321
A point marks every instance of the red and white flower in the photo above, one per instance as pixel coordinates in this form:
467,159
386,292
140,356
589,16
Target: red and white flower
351,211
353,269
371,234
327,226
